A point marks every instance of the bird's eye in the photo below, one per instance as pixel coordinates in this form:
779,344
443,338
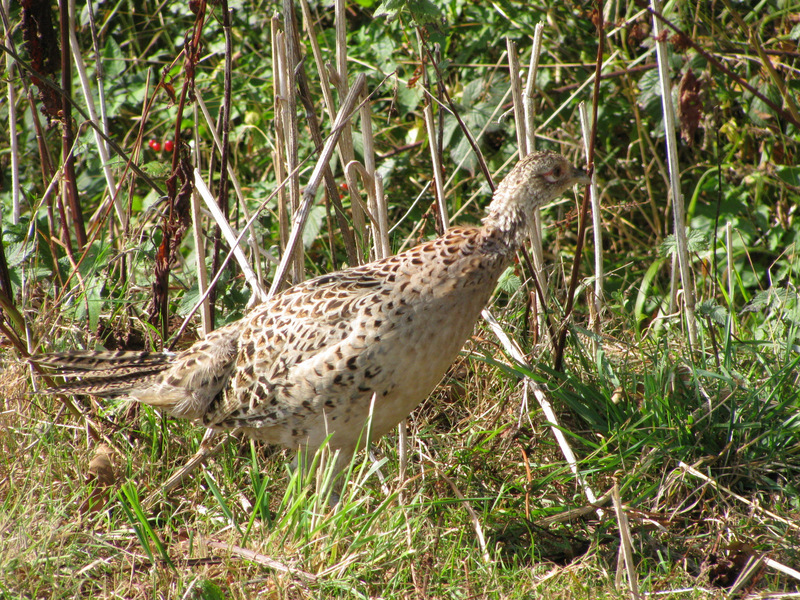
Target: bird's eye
554,175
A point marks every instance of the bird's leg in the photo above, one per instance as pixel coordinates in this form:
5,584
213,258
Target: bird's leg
199,457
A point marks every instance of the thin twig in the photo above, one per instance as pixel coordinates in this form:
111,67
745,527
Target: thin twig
69,180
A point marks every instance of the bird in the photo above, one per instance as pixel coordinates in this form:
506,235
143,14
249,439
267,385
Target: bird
315,362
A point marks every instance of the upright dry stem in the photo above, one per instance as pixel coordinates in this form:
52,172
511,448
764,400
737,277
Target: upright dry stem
678,208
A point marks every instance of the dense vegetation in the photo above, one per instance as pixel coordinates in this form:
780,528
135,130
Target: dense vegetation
682,394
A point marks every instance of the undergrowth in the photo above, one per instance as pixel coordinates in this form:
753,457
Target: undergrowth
700,435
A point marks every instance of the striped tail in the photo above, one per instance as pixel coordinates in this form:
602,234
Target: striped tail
106,374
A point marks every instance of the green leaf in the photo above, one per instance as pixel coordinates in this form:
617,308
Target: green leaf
18,252
113,60
210,591
421,11
790,175
696,241
508,282
713,311
316,217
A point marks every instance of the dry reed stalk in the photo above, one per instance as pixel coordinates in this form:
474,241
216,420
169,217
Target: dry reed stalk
530,84
537,251
312,122
377,202
596,303
338,76
678,207
200,264
626,547
279,91
382,246
234,241
252,240
523,119
516,94
291,134
11,71
339,125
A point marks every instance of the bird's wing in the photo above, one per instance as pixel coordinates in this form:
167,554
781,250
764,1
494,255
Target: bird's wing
299,325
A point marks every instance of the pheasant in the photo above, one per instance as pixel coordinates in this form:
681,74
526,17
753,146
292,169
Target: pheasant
315,360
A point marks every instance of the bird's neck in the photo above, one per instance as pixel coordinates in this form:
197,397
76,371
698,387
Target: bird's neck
506,226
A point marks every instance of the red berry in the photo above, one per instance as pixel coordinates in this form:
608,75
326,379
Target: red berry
168,146
155,146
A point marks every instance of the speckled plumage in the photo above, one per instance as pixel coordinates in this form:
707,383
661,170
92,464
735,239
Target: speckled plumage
307,362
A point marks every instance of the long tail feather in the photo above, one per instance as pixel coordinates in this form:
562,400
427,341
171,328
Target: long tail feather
103,373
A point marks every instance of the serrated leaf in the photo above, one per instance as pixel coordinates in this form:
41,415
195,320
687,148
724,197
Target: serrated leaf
187,302
421,11
508,282
713,311
696,241
18,252
759,301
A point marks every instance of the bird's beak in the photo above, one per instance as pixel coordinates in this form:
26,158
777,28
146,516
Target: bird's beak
580,176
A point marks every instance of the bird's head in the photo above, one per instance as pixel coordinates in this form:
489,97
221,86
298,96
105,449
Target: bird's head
537,179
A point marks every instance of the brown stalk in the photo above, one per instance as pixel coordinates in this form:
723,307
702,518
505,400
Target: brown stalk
178,213
70,185
584,214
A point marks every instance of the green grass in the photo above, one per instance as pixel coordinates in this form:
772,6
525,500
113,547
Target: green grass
373,544
702,437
